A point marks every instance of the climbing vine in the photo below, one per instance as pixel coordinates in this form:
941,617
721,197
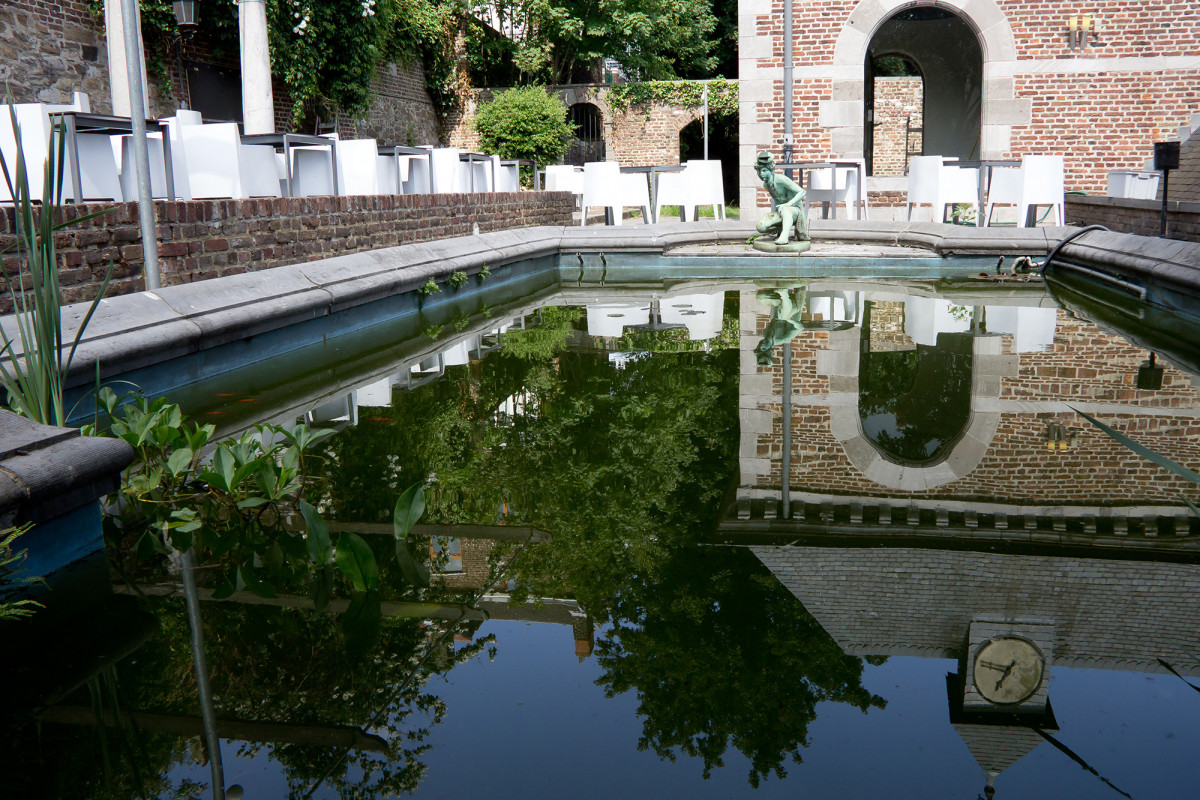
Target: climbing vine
722,95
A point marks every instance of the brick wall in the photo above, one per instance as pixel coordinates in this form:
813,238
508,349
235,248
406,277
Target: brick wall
641,135
1143,217
898,105
1045,98
205,239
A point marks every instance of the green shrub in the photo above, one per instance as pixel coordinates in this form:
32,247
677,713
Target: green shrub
525,122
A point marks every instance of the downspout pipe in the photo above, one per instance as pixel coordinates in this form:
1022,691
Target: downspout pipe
788,35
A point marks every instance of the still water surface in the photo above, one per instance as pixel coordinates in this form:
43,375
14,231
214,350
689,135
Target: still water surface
631,602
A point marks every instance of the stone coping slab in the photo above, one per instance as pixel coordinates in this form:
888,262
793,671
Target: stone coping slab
132,331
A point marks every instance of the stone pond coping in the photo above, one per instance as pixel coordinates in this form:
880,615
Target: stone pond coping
137,330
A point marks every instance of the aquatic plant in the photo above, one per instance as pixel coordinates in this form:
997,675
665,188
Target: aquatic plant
241,503
34,377
10,562
457,279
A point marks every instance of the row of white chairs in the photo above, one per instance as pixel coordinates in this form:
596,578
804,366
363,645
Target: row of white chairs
210,160
939,182
602,184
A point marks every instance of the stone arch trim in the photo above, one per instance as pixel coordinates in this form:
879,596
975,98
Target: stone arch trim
1001,108
990,365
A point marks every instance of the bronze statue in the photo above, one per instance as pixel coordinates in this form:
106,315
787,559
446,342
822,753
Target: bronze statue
789,214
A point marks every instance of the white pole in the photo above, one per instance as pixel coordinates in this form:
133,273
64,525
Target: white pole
141,155
704,96
258,104
118,69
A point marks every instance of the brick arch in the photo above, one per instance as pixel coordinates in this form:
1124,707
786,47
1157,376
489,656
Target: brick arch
845,423
1000,109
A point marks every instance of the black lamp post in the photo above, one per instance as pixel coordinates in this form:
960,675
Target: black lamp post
185,20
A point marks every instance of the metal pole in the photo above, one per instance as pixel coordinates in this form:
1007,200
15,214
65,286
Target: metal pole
704,96
141,154
1162,230
786,467
788,35
211,740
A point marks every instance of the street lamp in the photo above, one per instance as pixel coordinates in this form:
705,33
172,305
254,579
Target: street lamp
185,15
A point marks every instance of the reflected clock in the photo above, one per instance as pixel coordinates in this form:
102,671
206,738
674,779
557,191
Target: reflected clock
1008,670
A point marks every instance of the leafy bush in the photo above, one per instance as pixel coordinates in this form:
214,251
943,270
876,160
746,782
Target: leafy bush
525,122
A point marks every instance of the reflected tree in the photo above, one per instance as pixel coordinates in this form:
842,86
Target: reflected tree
720,655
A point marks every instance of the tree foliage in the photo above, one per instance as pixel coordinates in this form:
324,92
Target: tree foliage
525,122
563,41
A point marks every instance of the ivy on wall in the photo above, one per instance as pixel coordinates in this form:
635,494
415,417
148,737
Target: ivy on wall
325,51
722,95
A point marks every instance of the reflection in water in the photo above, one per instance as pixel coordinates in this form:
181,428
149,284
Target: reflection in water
572,491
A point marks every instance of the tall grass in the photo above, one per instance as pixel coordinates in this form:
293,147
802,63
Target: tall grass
35,374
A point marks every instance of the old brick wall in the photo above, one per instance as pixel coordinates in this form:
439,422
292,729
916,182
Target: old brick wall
898,106
1101,107
204,239
641,135
1143,217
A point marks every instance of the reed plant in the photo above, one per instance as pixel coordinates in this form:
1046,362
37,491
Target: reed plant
33,368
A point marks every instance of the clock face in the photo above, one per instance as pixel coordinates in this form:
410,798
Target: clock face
1008,670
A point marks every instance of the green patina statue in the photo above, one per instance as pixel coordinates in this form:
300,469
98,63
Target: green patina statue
789,214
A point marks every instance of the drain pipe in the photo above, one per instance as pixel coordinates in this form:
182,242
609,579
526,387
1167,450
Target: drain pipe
141,154
788,35
786,467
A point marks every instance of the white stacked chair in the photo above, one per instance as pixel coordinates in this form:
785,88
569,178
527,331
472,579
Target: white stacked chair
932,181
97,165
508,176
448,175
219,165
842,186
605,186
1037,182
565,178
709,185
678,189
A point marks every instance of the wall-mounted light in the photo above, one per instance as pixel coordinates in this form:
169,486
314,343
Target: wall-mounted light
1082,30
185,14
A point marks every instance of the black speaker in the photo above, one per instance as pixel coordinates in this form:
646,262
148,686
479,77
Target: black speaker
1166,155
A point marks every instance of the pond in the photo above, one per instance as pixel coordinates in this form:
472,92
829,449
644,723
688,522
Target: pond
962,587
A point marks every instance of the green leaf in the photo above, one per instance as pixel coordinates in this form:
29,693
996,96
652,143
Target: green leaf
250,577
223,589
252,502
412,564
1143,451
323,588
179,460
356,561
320,551
409,509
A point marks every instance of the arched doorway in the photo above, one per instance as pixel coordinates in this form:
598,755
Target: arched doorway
944,50
588,144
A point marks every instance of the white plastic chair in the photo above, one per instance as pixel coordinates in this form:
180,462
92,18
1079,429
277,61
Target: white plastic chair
1042,185
565,178
678,189
842,186
508,176
98,167
219,165
610,319
703,314
1004,189
923,182
448,175
606,186
1037,182
709,185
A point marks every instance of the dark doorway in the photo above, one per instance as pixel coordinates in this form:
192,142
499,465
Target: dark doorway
944,50
588,144
722,146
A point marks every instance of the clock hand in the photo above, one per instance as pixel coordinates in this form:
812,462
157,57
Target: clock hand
991,665
1006,672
